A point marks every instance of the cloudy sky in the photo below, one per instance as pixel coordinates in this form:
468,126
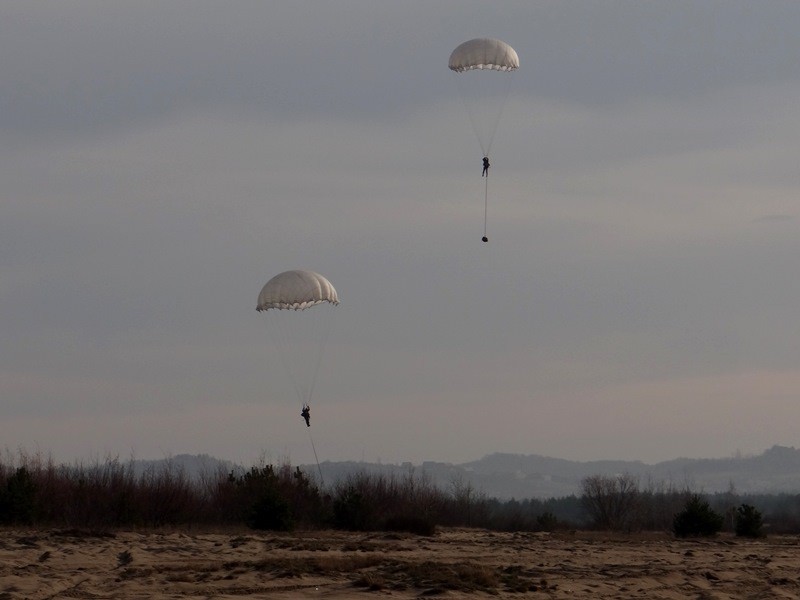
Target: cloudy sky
160,161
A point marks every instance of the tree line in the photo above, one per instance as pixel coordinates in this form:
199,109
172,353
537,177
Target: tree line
111,494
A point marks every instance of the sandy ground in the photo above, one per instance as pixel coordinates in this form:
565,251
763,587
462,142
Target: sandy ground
455,563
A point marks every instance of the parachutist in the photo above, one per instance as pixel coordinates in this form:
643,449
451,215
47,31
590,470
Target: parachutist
306,414
484,239
484,93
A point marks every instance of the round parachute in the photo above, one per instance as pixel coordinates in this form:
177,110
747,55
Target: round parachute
484,69
296,290
299,307
484,53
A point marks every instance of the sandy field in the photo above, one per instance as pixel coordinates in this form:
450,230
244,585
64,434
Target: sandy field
455,563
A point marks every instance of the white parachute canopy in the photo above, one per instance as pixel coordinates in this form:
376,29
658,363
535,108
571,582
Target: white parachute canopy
484,70
484,53
296,290
299,307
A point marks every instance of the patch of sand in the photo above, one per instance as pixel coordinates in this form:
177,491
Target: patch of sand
455,563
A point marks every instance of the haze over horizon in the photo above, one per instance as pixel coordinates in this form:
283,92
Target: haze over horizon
637,298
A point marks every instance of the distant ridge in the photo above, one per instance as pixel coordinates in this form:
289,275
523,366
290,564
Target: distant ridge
505,476
520,476
193,466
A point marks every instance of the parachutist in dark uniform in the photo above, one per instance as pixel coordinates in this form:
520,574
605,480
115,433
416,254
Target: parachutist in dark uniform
486,166
306,414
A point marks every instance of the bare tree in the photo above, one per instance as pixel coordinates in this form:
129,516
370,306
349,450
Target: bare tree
612,502
463,494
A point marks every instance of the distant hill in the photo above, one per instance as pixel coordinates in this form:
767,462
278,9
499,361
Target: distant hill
519,476
194,466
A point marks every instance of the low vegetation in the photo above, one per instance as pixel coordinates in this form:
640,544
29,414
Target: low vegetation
697,519
105,495
749,522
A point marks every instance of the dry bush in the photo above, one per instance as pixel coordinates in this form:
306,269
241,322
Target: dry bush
612,502
124,558
370,502
463,577
371,581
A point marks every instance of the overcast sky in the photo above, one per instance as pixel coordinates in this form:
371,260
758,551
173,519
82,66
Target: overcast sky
638,297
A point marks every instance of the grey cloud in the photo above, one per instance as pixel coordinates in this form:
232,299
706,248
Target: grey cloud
164,160
81,66
776,219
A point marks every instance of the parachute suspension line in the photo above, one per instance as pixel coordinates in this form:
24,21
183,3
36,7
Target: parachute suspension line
300,337
325,328
282,329
319,468
484,98
474,113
